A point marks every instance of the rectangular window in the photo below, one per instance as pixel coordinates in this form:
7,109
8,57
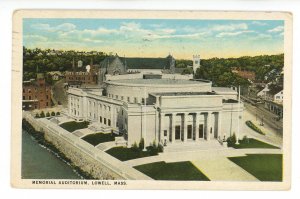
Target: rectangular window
143,100
135,100
122,97
29,97
23,97
108,121
104,120
47,104
128,99
189,132
117,97
165,133
100,119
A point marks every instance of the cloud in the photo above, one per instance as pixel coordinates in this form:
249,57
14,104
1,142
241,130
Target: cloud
264,36
35,38
92,40
276,29
229,27
261,36
231,34
65,27
166,30
151,37
259,23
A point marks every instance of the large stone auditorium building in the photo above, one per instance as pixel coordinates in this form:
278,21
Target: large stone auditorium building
164,107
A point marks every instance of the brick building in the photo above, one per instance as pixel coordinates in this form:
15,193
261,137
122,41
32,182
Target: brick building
82,75
36,94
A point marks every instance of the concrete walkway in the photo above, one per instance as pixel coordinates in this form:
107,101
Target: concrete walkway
213,163
222,169
83,132
106,145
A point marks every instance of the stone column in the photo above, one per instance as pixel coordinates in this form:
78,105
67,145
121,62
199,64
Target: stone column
162,121
212,125
70,107
112,116
208,125
197,127
173,127
185,127
219,125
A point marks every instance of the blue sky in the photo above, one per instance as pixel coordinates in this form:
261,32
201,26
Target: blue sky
157,37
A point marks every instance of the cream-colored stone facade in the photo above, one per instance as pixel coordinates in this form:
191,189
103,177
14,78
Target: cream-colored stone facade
161,110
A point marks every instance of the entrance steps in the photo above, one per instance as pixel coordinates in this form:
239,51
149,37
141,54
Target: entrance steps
193,146
97,127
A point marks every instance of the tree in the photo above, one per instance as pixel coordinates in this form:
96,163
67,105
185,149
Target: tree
142,144
42,114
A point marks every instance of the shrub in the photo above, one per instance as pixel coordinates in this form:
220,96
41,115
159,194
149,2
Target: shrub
52,113
42,114
253,127
142,144
37,115
47,114
231,140
57,113
135,147
160,148
246,139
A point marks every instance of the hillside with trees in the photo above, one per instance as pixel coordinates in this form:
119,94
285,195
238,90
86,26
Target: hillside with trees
219,70
55,60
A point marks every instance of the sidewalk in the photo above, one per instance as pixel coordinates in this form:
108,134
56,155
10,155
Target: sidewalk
222,169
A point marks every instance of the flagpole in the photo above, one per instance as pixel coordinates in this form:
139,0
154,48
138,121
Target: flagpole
239,100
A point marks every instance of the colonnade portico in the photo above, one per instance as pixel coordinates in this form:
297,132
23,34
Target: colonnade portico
189,126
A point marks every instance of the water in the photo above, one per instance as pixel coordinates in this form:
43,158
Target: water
39,163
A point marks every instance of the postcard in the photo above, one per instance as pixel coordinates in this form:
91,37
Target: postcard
128,99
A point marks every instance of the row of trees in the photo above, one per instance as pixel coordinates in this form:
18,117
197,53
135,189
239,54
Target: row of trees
48,114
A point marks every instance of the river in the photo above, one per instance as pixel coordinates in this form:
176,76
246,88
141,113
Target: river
39,163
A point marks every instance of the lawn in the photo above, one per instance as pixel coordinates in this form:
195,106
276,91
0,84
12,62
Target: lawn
123,153
172,171
97,138
253,143
72,126
265,167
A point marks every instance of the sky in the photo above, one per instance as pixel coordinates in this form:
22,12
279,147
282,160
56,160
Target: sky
181,38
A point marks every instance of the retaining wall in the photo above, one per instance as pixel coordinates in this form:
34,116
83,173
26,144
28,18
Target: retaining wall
90,159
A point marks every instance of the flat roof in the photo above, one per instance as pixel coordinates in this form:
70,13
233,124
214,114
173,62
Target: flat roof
183,93
223,89
157,81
